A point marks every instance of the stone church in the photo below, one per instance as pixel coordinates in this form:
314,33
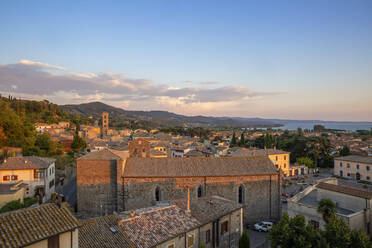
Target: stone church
113,181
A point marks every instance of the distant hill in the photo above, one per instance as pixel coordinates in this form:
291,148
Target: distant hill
121,117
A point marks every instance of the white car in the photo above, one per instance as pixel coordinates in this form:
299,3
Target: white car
263,226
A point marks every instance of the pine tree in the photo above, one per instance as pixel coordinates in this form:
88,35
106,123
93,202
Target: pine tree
233,140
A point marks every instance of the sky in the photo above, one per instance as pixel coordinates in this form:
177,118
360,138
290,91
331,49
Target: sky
270,59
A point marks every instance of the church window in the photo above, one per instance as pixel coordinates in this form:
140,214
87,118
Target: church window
200,191
157,194
241,194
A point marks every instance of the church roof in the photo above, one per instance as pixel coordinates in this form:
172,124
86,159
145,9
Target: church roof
188,167
106,154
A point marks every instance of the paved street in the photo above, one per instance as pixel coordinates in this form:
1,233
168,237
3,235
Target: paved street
256,238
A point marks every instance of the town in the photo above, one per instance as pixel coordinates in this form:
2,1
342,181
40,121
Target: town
186,124
100,186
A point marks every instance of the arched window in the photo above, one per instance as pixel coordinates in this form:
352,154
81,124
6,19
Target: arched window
241,194
200,191
157,194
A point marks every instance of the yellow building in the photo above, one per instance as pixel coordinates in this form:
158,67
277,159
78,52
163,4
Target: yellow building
48,225
37,174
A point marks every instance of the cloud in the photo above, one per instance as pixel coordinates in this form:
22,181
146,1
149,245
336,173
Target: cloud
40,65
38,80
209,83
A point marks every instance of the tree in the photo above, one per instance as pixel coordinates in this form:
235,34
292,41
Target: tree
78,143
327,208
2,137
360,239
318,128
233,141
345,151
44,142
294,233
299,131
305,161
337,233
242,139
244,240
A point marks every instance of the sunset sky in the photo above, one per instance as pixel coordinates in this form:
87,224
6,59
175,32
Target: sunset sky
271,59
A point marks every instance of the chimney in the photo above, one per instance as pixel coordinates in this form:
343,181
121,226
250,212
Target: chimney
188,211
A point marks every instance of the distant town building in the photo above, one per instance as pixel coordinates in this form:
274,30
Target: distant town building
105,124
354,167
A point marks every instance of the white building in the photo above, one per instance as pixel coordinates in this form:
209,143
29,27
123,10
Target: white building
37,174
354,167
353,203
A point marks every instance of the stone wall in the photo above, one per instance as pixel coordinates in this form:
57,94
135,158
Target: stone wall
97,187
261,199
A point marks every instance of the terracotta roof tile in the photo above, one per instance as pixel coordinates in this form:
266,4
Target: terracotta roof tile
345,190
96,233
207,209
106,154
356,158
26,226
157,226
27,162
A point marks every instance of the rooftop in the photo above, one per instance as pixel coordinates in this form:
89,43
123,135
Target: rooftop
155,225
348,190
27,162
311,200
256,152
106,154
356,158
102,232
11,188
209,166
26,226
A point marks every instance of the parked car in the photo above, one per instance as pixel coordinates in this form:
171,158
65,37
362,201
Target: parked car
263,226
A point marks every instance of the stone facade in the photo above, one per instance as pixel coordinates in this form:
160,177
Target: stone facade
106,185
261,194
97,186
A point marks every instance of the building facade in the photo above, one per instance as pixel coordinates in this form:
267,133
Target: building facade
353,204
36,173
110,181
354,167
